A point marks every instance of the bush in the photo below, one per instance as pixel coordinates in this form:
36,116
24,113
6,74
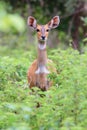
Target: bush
10,23
62,107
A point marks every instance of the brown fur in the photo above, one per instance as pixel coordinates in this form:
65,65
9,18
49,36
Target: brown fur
32,77
38,71
39,33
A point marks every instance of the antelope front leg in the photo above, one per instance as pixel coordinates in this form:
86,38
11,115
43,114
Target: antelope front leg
42,81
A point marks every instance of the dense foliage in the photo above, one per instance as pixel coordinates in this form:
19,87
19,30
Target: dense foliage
64,106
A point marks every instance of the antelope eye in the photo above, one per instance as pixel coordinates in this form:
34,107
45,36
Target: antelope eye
47,30
38,30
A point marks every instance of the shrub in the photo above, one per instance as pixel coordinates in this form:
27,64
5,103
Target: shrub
10,23
62,107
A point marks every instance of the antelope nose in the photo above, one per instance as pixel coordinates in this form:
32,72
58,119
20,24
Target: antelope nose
43,37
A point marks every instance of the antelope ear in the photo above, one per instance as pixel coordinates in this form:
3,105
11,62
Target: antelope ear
32,22
54,22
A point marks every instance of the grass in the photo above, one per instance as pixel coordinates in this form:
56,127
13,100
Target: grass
63,107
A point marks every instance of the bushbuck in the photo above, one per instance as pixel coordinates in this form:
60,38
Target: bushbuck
39,70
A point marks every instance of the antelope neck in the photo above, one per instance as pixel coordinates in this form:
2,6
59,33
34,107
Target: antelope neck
42,55
42,59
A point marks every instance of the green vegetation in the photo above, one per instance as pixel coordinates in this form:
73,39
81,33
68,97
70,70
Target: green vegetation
10,22
62,107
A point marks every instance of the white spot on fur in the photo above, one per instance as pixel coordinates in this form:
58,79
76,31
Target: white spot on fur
42,69
42,46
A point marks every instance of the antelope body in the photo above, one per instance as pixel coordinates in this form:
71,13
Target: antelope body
38,71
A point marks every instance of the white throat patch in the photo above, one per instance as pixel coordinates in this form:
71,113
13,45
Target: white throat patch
41,46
